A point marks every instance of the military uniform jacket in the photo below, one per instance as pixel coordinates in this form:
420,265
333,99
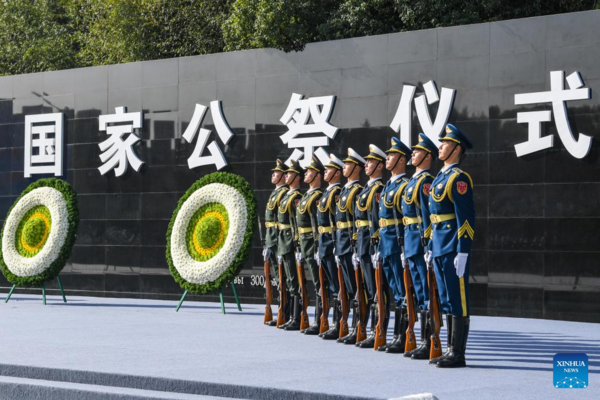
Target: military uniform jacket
344,214
367,209
415,204
391,198
305,211
326,215
452,193
286,216
271,215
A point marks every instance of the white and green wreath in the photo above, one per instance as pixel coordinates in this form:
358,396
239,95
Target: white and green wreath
210,234
39,232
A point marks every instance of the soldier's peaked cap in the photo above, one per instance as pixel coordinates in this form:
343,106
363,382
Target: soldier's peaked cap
399,147
426,144
454,134
334,162
375,153
279,166
294,166
316,164
355,158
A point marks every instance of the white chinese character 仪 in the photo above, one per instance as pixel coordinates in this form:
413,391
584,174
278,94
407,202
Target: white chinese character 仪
402,122
118,153
557,95
297,118
44,153
216,155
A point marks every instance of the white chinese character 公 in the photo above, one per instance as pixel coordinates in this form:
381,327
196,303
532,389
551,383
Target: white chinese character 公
216,156
297,118
558,96
402,122
118,153
44,153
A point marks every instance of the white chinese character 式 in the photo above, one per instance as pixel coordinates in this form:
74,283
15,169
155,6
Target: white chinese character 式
44,144
557,95
223,131
297,118
118,153
402,122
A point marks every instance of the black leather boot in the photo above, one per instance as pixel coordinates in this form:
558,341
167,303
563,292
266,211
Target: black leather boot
334,332
369,342
397,347
294,324
448,340
422,352
286,310
314,328
460,333
351,337
396,325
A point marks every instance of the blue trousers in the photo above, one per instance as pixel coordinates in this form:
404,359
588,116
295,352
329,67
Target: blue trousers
392,266
418,273
330,267
348,271
369,275
453,291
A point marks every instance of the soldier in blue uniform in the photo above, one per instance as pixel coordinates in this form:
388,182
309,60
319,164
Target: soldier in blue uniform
306,213
345,233
326,223
367,225
287,240
277,179
453,220
392,238
417,229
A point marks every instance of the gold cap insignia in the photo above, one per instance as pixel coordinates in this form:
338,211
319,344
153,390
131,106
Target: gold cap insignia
448,130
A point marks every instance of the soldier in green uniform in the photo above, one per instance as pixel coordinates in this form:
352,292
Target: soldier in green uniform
286,240
270,250
306,214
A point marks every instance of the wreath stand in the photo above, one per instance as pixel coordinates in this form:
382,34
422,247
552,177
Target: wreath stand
62,292
237,300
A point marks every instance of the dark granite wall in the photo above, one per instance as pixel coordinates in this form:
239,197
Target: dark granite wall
537,250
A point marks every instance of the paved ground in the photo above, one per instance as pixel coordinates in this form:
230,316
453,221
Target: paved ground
145,344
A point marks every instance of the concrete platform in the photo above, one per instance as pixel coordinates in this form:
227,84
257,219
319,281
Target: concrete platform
134,349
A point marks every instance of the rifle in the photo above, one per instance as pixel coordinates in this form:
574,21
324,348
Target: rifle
380,333
267,271
343,295
281,319
361,329
435,314
304,323
324,323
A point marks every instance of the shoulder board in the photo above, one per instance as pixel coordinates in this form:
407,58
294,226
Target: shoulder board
460,171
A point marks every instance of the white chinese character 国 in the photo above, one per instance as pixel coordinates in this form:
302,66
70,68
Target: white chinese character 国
298,116
44,144
118,153
558,96
216,156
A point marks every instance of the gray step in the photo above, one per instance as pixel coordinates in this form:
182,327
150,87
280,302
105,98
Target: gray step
12,388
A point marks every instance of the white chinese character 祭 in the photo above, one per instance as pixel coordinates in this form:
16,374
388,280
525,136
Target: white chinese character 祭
558,96
402,122
308,116
223,131
44,144
118,153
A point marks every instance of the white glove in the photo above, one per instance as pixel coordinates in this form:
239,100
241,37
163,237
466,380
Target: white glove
375,258
266,252
337,260
460,263
298,256
428,257
355,260
403,259
316,257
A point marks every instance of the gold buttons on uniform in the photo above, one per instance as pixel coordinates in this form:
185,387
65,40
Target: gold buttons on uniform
447,226
440,186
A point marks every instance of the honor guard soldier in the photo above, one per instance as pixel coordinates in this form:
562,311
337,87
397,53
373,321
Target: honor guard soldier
453,221
367,224
286,241
277,179
326,223
417,230
391,238
345,233
306,213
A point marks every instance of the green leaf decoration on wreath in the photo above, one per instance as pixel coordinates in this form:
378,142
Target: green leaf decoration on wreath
210,234
39,233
